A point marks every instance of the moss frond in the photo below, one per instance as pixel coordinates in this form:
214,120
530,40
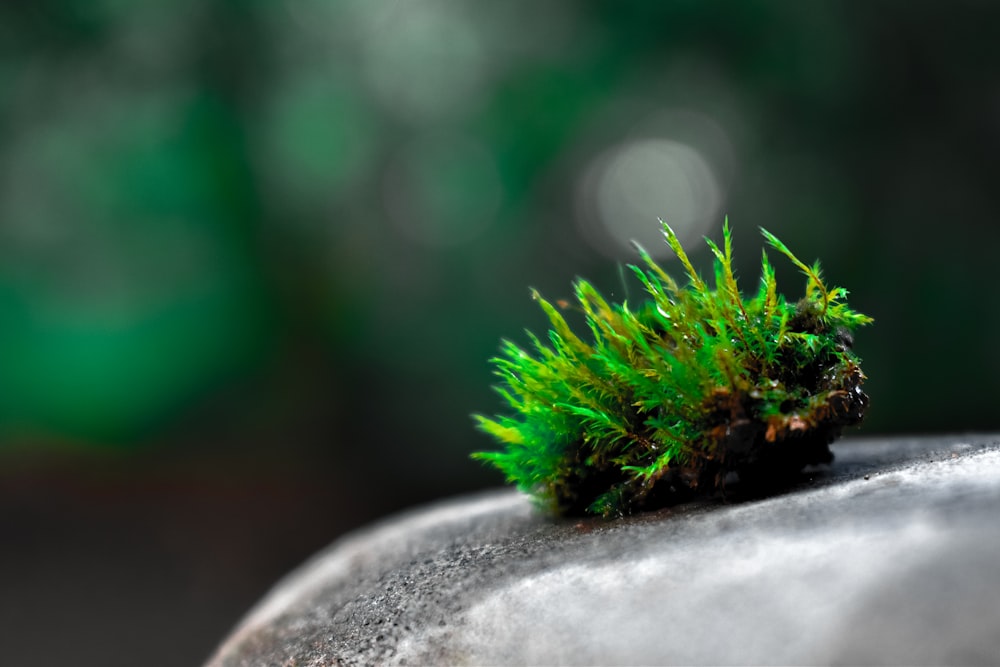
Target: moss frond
811,272
670,397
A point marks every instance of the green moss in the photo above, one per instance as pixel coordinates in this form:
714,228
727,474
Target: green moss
669,398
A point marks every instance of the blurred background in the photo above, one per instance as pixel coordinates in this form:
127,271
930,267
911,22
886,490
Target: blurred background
254,255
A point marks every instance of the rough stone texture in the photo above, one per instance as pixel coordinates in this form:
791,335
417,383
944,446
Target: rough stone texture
888,556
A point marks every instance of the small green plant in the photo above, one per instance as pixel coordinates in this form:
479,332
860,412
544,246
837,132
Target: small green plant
672,397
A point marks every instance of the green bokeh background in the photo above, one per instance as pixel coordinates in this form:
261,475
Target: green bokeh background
249,244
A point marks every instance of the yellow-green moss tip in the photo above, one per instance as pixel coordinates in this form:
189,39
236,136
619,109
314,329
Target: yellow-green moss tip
670,398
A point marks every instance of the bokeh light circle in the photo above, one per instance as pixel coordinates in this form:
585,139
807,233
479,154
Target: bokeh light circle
626,190
425,62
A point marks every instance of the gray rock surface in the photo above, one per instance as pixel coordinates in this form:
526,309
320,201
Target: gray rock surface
888,556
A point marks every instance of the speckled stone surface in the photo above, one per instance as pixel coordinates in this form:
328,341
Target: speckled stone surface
887,556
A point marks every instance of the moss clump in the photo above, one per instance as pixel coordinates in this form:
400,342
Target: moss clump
671,397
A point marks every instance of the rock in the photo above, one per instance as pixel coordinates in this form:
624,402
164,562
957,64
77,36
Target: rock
887,556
